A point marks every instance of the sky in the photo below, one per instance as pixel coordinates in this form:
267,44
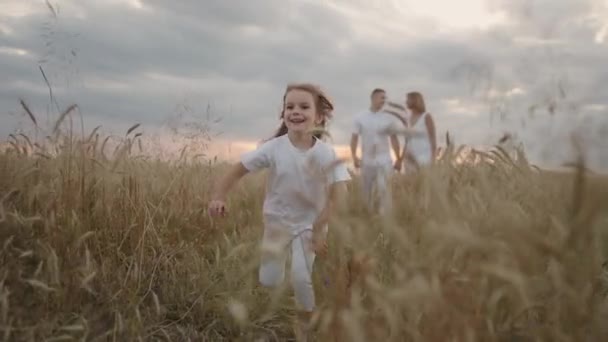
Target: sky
535,68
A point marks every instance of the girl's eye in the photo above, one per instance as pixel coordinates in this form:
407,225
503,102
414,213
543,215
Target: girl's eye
289,107
305,107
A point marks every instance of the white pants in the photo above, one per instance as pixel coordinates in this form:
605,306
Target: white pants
277,242
375,179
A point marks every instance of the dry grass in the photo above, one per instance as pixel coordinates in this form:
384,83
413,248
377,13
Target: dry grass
107,246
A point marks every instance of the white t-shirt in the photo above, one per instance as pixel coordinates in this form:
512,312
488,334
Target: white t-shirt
373,129
296,191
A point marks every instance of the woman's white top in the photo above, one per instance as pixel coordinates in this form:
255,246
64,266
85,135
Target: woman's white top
419,143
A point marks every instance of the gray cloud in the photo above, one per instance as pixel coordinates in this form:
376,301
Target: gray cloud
126,65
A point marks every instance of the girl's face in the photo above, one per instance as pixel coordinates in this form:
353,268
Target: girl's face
300,114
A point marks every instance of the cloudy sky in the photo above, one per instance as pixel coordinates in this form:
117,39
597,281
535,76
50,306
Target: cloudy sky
484,66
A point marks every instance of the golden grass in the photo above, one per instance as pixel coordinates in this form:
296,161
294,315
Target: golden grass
102,247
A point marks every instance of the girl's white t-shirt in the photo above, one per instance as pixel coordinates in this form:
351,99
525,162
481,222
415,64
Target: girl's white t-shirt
298,180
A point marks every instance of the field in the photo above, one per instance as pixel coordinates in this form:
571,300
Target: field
103,246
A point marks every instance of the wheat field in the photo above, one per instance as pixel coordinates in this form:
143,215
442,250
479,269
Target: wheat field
100,245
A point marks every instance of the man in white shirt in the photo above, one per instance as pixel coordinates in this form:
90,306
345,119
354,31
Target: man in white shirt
375,126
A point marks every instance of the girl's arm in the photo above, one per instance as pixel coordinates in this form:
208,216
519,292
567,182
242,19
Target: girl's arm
430,126
222,187
255,160
335,202
250,162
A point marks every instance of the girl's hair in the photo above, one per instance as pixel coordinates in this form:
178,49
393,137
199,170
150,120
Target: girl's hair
323,106
418,101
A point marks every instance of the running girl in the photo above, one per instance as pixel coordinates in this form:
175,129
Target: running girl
304,181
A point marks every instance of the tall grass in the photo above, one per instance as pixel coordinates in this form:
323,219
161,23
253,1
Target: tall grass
102,245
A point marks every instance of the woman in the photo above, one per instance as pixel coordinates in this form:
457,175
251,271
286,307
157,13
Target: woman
420,149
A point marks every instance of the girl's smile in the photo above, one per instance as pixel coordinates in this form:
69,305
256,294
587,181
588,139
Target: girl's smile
296,119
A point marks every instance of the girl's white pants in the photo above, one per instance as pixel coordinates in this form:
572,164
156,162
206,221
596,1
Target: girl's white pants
277,243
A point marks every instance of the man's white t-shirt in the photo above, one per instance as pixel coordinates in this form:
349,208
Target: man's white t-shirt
298,180
374,128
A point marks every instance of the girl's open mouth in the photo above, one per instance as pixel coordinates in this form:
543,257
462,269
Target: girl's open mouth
297,120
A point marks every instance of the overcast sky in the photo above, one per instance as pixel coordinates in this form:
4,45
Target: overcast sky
481,64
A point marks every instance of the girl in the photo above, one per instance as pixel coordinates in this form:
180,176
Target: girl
421,148
304,181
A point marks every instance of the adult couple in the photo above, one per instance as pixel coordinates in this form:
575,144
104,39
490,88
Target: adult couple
377,127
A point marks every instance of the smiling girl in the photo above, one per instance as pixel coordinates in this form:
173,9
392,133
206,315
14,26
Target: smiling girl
304,181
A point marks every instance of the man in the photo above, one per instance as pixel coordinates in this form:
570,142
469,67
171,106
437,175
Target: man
375,126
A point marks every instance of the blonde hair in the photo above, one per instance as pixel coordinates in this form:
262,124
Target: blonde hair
418,101
323,106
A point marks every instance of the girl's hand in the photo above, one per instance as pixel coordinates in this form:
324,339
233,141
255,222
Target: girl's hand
319,244
217,208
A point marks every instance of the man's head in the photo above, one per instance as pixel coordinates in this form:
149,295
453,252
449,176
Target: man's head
378,99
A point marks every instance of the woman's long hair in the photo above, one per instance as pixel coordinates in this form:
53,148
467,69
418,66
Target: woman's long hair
418,101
